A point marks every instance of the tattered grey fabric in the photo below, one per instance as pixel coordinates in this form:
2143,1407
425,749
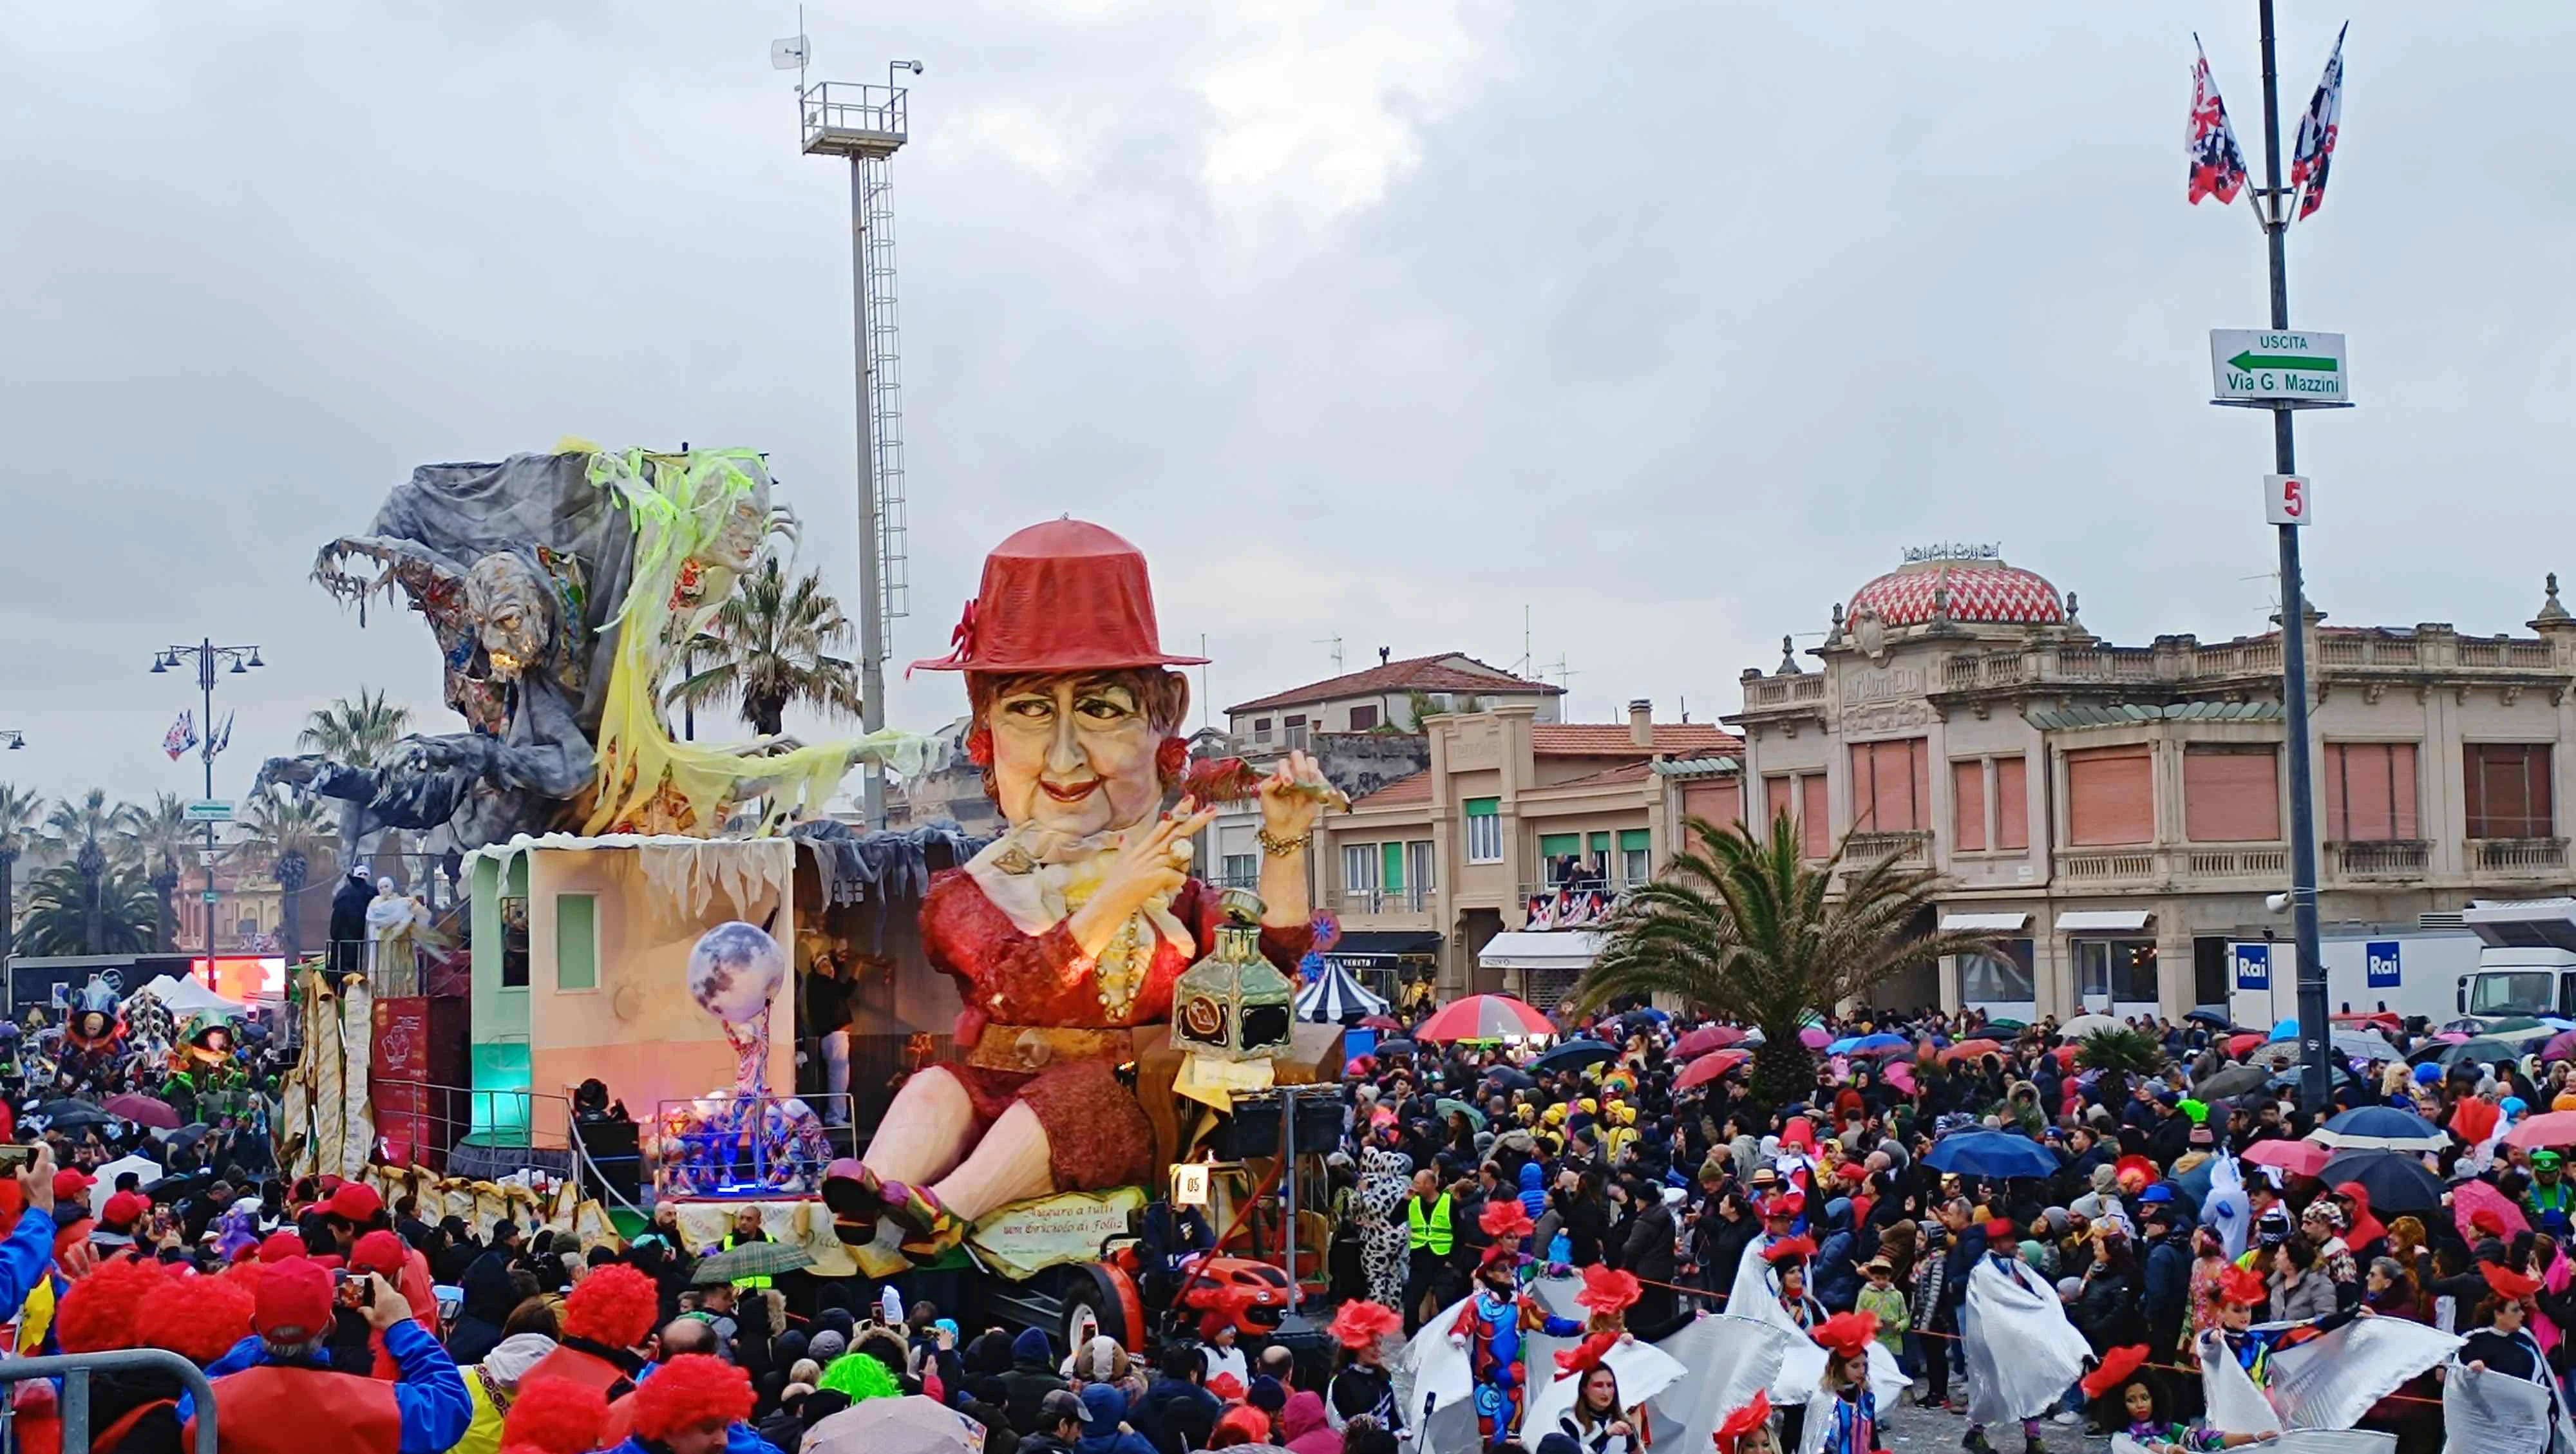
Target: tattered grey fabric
888,870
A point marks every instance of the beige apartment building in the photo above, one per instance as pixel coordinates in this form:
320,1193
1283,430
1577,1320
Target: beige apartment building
1487,867
2116,815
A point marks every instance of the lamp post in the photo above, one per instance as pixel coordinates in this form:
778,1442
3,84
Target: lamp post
16,740
209,658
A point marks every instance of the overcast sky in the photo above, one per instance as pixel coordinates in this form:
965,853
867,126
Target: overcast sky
1381,321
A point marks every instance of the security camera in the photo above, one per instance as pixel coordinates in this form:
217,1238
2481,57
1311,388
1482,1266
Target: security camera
2277,903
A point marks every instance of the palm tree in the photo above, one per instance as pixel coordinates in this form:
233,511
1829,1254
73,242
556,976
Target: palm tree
72,831
355,732
284,832
74,911
155,837
21,834
1746,927
771,644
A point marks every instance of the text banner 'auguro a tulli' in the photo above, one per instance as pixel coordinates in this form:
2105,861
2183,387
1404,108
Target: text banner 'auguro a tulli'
2262,366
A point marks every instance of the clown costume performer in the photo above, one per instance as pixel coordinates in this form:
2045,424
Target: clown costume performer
1066,934
1494,1324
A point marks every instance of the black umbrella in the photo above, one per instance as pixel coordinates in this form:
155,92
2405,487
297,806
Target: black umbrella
1574,1055
1394,1047
2211,1018
2233,1080
2396,1181
1509,1077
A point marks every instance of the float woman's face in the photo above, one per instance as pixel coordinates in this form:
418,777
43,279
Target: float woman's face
1075,755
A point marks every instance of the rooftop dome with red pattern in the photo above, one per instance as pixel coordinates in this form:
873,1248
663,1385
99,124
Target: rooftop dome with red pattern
1963,586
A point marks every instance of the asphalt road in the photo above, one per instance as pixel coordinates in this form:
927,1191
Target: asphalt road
1930,1431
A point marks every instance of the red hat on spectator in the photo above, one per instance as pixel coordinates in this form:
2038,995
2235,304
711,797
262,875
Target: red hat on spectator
2509,1283
379,1251
280,1245
124,1210
294,1303
71,1184
356,1202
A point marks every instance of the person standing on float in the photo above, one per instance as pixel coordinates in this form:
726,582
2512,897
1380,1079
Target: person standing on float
1066,934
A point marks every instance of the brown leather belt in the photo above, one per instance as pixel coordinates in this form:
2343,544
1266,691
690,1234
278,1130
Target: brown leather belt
1029,1048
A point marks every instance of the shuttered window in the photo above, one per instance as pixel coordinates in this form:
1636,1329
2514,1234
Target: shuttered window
576,942
2110,796
2231,795
1891,787
2012,802
1968,806
1781,800
1716,804
2370,792
1815,829
2508,790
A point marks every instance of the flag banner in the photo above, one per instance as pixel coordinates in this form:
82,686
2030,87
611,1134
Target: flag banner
217,741
2217,167
181,736
2313,157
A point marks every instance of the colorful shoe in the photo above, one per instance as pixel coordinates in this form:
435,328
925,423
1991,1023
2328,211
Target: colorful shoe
932,1231
856,1198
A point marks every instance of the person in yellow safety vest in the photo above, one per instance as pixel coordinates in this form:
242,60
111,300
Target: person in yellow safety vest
746,1228
1429,1240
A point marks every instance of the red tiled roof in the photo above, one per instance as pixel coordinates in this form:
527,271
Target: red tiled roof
1611,739
1415,673
1411,788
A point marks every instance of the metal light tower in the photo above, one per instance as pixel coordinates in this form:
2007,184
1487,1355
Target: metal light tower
867,125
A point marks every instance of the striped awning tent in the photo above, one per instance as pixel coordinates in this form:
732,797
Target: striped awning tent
1335,997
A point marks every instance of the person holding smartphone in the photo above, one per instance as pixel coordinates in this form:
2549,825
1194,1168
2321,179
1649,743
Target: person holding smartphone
292,1400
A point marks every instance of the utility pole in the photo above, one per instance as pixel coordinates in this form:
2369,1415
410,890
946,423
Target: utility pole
2273,207
209,657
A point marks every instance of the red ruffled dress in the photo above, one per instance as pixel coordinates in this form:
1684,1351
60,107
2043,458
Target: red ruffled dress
1097,1134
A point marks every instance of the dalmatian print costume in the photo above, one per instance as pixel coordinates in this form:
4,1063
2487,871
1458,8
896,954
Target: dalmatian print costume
1385,1176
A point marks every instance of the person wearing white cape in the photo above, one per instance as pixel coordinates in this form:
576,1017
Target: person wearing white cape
1756,1295
2499,1396
2022,1353
2317,1376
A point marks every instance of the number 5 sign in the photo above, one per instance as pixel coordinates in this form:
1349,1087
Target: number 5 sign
2287,500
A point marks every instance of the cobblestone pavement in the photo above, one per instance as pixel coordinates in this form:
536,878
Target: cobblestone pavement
1930,1431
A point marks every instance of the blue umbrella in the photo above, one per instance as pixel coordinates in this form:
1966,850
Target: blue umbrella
2286,1030
1844,1046
1880,1041
2381,1128
1991,1153
1574,1055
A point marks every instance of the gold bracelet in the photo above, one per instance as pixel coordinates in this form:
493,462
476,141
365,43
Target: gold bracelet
1278,847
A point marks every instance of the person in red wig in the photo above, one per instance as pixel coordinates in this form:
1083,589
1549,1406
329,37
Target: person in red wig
606,1321
690,1406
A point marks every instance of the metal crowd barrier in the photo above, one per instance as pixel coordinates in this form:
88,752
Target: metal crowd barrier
75,1370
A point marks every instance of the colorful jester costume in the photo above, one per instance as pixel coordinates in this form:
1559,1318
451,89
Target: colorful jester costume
94,1036
1495,1324
205,1082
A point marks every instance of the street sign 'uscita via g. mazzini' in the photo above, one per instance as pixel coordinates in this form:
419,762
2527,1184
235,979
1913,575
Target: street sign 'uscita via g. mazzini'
2265,368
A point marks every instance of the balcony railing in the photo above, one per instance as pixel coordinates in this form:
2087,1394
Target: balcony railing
2182,661
1911,848
1781,690
2518,855
2238,862
2384,858
1567,906
1385,901
2109,867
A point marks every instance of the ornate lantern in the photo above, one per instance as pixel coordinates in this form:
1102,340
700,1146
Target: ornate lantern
1233,1004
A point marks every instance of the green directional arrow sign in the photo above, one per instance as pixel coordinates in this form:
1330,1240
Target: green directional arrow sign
2252,360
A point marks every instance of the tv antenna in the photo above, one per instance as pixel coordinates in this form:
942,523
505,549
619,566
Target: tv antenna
1335,643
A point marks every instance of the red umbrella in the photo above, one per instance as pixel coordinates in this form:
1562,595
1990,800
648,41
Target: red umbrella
1699,1042
2474,1120
2299,1158
1709,1067
1971,1049
1484,1017
1383,1023
143,1111
2239,1044
2555,1128
2468,1198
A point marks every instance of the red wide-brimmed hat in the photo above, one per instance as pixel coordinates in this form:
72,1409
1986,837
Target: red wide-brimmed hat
1062,596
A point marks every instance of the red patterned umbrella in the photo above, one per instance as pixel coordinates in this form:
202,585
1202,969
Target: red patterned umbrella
1709,1067
1484,1017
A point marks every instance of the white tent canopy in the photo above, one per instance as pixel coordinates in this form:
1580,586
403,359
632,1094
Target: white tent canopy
183,997
1335,996
1540,949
